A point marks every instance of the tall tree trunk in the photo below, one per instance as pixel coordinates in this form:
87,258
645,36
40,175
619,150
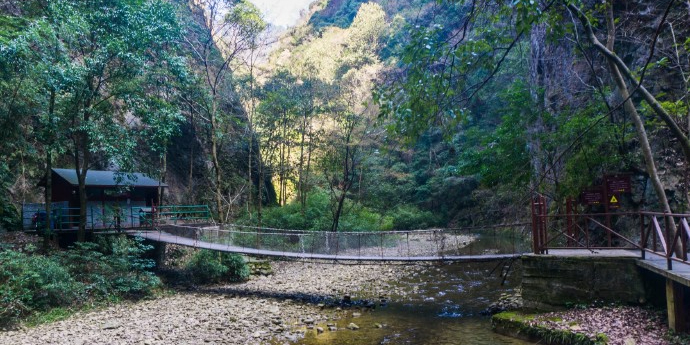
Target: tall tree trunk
81,177
615,67
216,163
81,166
308,169
300,172
348,177
49,175
285,179
164,171
260,187
282,163
338,210
48,199
191,169
639,124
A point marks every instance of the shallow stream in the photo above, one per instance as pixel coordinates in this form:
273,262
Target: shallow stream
443,307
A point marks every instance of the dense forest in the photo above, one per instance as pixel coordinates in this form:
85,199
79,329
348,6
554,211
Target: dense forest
367,115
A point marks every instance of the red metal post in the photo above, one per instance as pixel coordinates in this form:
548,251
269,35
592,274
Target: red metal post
569,209
544,238
643,238
535,237
669,247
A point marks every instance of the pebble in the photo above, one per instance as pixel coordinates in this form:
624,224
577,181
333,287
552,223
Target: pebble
255,312
353,326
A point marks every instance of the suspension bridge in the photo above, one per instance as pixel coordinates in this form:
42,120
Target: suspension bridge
656,242
461,244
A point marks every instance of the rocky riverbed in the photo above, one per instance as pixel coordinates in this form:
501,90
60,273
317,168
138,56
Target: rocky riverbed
298,297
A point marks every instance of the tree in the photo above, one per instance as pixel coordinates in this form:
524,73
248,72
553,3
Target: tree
92,62
277,125
616,69
232,27
443,70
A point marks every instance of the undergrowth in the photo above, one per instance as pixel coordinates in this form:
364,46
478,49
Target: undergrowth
49,286
207,266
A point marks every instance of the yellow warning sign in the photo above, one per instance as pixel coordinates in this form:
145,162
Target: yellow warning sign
613,199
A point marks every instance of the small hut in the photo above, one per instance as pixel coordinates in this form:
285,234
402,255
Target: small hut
114,199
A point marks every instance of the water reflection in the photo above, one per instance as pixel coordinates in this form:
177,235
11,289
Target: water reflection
444,307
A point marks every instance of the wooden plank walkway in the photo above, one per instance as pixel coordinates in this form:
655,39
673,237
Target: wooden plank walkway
656,263
169,238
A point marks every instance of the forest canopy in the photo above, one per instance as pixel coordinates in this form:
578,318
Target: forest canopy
367,115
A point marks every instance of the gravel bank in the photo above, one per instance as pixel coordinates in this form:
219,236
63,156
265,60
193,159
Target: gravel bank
298,297
622,325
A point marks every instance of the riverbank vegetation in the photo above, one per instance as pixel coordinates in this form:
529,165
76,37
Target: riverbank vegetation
87,274
36,285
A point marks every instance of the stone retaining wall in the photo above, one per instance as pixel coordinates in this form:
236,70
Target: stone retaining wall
553,282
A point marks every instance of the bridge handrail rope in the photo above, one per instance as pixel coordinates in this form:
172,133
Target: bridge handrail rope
388,232
507,225
431,244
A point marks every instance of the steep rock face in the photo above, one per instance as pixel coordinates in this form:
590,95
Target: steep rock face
568,81
189,164
10,7
556,69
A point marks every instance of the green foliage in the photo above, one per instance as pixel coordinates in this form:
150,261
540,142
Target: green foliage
88,273
208,266
9,217
10,28
316,215
247,18
524,324
357,217
408,217
34,282
341,16
112,267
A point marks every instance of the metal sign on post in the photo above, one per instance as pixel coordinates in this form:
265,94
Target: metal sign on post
614,186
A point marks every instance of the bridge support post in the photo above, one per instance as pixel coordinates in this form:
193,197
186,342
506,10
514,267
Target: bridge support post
159,253
676,306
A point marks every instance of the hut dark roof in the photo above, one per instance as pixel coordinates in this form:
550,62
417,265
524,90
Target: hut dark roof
99,178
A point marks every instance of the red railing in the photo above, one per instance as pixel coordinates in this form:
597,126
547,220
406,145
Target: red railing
664,234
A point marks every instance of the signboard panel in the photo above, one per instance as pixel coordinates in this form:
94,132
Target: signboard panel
616,184
592,197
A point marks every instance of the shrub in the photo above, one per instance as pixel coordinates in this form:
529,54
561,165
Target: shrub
112,267
208,266
408,217
33,283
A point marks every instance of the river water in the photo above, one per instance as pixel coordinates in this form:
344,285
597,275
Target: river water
443,306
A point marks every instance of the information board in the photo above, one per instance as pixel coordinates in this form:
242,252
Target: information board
592,197
617,184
